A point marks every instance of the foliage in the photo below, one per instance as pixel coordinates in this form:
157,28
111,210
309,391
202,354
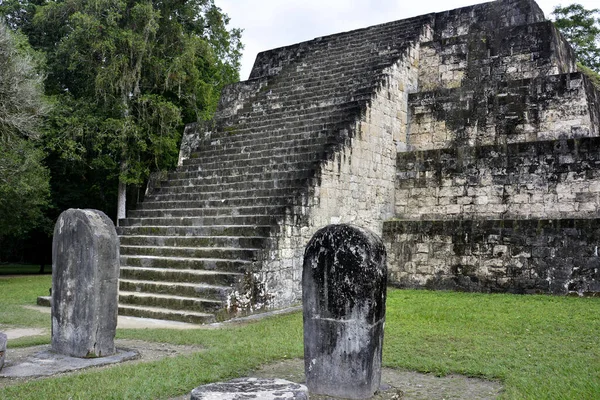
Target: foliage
21,87
124,77
24,187
591,74
581,27
541,347
24,181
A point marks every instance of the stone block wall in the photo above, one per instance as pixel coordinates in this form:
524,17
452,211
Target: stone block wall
357,185
494,57
544,179
516,52
499,187
557,256
514,86
524,110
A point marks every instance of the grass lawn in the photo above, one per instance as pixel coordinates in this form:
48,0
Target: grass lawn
541,347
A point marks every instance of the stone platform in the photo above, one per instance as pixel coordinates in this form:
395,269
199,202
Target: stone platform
47,363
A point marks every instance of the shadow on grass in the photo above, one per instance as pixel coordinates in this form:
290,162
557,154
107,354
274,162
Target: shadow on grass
25,269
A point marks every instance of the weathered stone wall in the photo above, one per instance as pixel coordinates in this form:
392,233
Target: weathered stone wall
516,52
501,171
525,110
518,256
506,87
549,179
358,184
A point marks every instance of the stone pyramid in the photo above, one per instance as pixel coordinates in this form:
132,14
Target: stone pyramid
442,132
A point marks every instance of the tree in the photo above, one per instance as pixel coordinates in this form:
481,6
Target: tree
24,180
581,27
125,75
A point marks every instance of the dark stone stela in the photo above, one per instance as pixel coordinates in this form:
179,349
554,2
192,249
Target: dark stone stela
85,278
344,293
3,340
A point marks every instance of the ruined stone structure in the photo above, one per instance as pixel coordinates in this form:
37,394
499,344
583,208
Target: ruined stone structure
467,138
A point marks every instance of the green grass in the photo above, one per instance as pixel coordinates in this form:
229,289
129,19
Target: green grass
23,290
540,347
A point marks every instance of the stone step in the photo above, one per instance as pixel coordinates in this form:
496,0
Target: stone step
293,116
259,123
256,242
238,220
248,143
215,230
191,178
207,264
244,195
206,212
166,314
212,253
281,201
292,158
279,143
197,188
219,278
213,292
276,149
198,171
172,302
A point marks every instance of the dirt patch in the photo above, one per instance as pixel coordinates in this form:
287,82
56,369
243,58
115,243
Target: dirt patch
398,384
15,333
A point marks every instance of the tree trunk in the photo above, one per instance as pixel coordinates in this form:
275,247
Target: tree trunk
122,201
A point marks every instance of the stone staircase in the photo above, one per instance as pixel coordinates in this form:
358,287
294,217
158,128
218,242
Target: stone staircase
189,249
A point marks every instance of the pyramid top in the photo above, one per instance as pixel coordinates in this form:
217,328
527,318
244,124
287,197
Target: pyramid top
485,16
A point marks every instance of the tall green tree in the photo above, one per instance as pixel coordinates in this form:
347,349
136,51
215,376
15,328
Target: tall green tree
24,180
581,27
125,76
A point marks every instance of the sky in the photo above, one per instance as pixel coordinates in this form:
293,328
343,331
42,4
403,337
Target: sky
268,24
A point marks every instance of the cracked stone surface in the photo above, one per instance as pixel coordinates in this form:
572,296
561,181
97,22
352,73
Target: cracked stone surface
251,388
3,340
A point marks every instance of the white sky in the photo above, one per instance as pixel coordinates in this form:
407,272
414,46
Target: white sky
268,24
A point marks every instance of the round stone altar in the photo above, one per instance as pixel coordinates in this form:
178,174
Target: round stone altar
251,388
